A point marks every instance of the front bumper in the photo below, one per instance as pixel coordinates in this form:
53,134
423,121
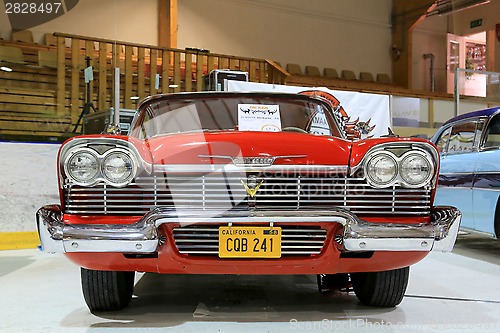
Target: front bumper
143,237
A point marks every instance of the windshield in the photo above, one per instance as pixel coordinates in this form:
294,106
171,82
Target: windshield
235,113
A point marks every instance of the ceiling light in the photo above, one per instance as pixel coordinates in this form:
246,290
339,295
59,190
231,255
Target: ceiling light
6,69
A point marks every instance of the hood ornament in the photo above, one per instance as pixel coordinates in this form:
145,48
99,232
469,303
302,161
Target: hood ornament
252,185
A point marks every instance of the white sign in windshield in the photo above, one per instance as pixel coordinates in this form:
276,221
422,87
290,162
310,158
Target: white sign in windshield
259,117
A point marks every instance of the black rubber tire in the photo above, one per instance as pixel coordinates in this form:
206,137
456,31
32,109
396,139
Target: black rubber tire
107,290
381,289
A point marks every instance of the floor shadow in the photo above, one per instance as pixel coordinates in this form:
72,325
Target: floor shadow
479,247
172,300
12,264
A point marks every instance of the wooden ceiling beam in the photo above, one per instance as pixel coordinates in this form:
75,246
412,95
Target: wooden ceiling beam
167,23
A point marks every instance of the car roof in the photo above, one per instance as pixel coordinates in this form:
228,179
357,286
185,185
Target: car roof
475,114
202,94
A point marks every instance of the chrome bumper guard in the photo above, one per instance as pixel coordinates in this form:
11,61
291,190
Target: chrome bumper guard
142,236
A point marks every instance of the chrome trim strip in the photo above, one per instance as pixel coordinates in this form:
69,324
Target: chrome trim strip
440,235
455,188
486,189
326,199
142,236
466,173
469,173
240,160
50,226
131,212
207,168
446,221
211,191
383,244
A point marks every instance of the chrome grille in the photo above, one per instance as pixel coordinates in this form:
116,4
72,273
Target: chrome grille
226,191
204,240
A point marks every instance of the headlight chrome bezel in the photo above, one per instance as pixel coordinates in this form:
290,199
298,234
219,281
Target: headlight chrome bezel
124,181
101,174
426,179
420,149
370,161
73,156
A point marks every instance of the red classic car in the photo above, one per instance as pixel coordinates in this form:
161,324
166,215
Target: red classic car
246,183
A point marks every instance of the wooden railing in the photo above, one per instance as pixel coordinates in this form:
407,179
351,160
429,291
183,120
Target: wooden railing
144,70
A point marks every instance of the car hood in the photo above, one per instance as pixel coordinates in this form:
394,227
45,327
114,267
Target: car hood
221,147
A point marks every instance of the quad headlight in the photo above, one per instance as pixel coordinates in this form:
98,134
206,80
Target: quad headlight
381,169
86,167
415,169
411,168
118,167
83,167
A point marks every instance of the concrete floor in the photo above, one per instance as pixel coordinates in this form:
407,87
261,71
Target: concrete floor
448,292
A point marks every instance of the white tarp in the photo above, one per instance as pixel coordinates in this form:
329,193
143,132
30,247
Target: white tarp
405,111
370,109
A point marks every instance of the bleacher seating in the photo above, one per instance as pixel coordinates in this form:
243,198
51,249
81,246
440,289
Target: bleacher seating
47,58
11,54
312,71
366,76
24,36
348,75
330,72
50,40
383,78
294,69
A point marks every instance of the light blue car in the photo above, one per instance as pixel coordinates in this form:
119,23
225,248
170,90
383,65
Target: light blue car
469,178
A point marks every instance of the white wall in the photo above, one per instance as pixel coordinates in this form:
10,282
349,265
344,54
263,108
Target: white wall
124,20
353,34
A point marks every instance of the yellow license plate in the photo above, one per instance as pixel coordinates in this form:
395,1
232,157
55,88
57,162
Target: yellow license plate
249,242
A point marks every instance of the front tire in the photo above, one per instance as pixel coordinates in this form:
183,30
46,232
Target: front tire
381,289
107,290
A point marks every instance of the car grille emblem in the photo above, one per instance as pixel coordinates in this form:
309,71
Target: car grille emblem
253,161
252,186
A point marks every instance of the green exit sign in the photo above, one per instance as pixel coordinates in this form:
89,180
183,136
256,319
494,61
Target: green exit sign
476,23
